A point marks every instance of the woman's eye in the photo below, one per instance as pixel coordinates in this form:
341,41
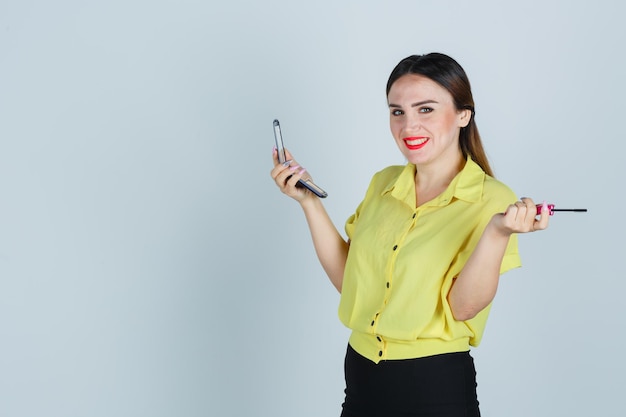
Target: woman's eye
397,112
426,109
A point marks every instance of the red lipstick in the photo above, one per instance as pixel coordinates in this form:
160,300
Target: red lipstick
415,142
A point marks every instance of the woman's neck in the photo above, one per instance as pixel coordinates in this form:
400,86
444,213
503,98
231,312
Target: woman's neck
433,179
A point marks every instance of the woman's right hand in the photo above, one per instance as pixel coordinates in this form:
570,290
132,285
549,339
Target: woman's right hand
287,176
330,246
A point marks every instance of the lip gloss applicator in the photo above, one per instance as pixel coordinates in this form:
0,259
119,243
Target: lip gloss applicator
552,209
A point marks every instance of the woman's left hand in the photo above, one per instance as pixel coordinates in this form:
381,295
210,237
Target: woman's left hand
522,217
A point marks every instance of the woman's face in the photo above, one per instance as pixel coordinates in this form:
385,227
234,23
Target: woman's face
424,121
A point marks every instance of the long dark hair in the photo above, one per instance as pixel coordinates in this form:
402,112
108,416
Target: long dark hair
446,72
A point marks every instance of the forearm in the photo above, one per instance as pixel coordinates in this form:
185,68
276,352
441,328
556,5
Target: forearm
330,246
476,285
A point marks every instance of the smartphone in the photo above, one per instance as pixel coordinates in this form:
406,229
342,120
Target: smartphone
282,158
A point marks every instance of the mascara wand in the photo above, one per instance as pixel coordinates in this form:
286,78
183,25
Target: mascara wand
552,209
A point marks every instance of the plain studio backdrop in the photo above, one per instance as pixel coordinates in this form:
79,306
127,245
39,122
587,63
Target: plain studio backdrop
150,267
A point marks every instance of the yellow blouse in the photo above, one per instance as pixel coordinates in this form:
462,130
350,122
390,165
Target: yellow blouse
402,262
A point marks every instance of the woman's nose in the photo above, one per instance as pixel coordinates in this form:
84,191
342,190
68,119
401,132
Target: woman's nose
412,122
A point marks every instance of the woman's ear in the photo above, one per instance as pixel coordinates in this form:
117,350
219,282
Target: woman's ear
465,116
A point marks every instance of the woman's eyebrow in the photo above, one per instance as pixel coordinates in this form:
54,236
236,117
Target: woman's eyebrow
419,103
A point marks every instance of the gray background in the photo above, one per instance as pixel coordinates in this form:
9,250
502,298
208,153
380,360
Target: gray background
149,266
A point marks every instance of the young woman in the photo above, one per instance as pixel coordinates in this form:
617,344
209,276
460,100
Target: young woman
425,250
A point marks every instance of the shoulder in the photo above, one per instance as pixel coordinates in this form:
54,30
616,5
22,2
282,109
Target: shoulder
497,191
386,177
392,171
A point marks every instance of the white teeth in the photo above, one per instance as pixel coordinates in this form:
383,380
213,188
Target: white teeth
416,141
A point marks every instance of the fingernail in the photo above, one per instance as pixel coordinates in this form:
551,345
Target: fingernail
293,168
286,163
544,206
302,171
274,149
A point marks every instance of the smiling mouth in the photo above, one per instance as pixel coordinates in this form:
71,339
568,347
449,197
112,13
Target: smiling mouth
414,143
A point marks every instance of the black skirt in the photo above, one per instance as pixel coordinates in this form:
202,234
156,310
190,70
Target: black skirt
434,386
